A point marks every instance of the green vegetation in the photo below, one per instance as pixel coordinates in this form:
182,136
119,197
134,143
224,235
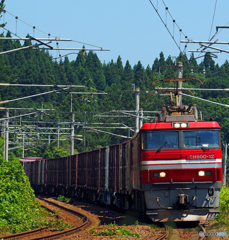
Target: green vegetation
62,198
115,78
113,230
18,210
136,222
223,217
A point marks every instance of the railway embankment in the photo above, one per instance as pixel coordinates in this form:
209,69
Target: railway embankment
19,212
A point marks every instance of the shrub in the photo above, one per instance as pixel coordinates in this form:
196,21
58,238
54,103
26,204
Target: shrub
18,209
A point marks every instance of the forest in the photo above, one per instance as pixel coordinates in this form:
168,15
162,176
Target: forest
115,78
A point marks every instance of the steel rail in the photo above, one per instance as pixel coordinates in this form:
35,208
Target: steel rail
53,235
164,235
16,235
69,231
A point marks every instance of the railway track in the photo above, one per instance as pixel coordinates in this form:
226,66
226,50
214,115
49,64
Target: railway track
81,229
82,222
174,234
164,235
202,236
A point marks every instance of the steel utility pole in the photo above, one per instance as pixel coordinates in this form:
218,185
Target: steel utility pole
58,135
225,164
7,135
179,83
141,118
23,145
72,135
84,130
3,134
137,97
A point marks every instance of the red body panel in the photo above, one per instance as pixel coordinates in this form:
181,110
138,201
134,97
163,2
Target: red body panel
181,165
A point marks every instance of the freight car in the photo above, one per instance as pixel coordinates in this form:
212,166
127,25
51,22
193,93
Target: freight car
171,170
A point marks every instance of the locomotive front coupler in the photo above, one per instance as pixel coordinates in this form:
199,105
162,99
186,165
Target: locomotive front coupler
183,199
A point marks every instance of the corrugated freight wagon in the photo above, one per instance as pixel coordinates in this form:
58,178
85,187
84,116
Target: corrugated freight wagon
93,173
103,169
113,168
82,174
73,174
62,174
33,169
51,167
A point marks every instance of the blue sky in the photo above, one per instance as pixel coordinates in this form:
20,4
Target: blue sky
129,28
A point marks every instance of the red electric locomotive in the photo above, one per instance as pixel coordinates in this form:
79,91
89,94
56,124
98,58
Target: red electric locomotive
180,166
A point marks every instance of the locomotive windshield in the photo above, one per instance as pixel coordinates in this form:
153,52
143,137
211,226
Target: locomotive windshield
199,139
159,140
191,139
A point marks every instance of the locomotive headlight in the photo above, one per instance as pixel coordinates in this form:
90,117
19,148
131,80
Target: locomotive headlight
162,174
176,125
183,125
201,173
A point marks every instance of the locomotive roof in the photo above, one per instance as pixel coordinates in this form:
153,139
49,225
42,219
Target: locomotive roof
168,125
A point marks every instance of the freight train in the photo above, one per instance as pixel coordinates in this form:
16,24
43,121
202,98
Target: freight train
171,170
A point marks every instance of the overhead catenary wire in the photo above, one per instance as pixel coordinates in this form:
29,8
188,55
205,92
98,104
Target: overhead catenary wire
165,25
212,20
4,10
220,104
97,130
63,75
167,9
31,96
17,18
174,23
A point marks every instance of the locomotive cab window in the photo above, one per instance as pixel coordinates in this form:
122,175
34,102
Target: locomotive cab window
201,139
160,140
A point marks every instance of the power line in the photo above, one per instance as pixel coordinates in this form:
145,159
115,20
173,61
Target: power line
174,22
167,9
17,18
212,20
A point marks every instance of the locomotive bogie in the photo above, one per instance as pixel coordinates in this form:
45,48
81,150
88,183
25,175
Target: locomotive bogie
192,215
182,197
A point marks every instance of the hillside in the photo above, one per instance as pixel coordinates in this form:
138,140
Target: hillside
115,78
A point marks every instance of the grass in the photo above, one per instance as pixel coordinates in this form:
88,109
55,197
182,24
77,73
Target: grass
216,225
153,226
62,198
113,230
223,218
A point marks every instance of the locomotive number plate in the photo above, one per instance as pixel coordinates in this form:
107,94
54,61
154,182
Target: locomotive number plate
201,156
